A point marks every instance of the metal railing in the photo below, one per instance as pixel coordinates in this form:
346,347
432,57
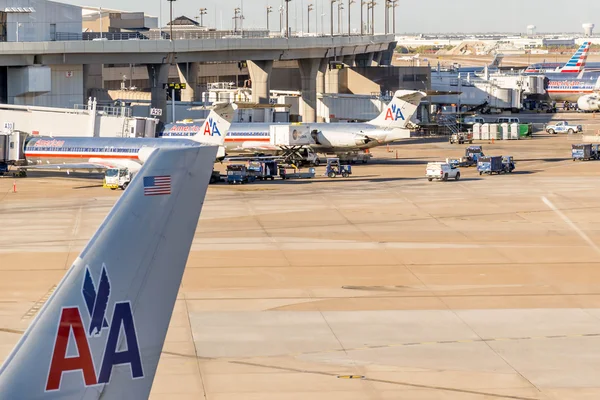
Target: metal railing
107,110
181,35
448,124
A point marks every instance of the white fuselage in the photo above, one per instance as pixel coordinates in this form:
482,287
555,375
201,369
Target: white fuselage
328,137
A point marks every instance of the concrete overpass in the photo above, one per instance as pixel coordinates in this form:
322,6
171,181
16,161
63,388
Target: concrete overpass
313,55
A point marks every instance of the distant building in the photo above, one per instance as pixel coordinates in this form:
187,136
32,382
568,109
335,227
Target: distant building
116,21
37,20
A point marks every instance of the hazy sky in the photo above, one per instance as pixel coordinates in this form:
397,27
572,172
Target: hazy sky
412,16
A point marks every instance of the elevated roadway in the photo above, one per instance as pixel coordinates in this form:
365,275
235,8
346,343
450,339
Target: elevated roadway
313,55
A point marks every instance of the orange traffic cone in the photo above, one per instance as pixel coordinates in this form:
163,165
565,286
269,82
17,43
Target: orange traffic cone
14,186
396,154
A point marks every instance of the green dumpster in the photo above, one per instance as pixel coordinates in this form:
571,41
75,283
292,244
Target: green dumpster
525,130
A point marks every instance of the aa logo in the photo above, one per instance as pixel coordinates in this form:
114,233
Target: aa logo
394,113
210,128
75,341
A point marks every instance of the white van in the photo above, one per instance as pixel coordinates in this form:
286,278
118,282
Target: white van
508,120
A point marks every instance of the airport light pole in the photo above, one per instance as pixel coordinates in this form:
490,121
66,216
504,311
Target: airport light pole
236,15
340,8
269,11
350,2
171,19
280,19
387,6
203,12
309,9
394,5
332,3
362,20
287,18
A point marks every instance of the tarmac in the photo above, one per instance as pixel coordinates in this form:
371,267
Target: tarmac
379,286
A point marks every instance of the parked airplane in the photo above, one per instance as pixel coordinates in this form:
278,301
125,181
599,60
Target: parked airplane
101,333
573,79
492,67
392,124
81,153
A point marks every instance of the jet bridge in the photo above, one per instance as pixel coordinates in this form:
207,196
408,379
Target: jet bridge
12,149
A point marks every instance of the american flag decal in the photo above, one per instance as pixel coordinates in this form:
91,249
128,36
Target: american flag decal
157,185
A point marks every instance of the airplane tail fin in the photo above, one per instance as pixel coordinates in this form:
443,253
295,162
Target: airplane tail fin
577,63
217,124
497,61
101,333
399,111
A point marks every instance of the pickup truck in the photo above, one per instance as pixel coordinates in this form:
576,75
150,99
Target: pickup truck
442,171
563,126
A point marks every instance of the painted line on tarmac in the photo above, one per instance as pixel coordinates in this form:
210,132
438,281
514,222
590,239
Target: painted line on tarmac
399,383
566,219
443,342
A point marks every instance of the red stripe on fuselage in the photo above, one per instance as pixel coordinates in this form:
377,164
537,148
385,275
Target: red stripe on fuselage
249,139
86,155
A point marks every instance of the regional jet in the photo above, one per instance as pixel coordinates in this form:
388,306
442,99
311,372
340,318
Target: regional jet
97,153
392,124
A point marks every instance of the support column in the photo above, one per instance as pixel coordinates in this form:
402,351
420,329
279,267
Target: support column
92,79
188,74
349,60
158,74
309,67
364,60
260,74
323,66
377,58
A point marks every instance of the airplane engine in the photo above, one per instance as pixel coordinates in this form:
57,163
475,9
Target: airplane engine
589,102
339,139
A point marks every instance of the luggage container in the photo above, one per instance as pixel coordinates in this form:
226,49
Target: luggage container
584,151
490,165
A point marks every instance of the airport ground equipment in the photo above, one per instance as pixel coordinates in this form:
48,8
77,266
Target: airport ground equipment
509,163
12,145
441,171
263,170
238,173
117,178
335,168
585,151
286,172
490,165
563,127
461,138
215,177
353,157
472,155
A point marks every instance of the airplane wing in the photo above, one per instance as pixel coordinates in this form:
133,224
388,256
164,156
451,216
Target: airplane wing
68,167
91,165
131,269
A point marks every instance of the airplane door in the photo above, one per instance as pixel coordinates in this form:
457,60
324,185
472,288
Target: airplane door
315,136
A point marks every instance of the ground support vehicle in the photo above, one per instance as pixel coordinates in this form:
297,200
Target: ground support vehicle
441,171
563,127
117,178
335,168
263,170
509,163
461,138
238,173
585,151
490,165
